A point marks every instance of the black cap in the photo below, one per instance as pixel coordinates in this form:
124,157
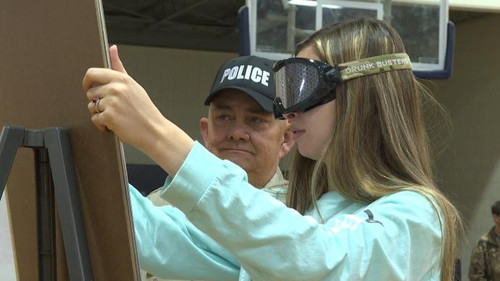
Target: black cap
250,74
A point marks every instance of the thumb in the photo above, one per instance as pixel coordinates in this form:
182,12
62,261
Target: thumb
116,63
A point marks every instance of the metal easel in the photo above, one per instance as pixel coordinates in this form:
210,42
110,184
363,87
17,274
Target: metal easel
56,187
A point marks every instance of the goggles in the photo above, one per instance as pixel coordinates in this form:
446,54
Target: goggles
302,84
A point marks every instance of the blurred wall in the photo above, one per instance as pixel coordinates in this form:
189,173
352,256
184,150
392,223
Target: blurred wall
469,168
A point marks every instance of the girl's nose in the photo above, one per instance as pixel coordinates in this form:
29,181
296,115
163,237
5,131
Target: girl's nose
290,115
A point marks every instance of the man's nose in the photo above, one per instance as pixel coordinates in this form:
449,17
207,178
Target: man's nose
239,132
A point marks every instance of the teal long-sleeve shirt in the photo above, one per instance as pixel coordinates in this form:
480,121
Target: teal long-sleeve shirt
222,224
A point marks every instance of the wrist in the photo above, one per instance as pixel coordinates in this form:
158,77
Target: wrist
168,146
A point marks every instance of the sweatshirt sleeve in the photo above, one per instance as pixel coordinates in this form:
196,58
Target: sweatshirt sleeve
394,238
171,247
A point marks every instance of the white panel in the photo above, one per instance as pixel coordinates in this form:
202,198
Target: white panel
7,267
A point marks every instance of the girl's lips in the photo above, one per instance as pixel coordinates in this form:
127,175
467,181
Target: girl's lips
297,133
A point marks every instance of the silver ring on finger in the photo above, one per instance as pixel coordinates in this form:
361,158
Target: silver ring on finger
96,101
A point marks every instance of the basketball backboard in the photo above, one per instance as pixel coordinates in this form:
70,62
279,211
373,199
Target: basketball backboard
275,27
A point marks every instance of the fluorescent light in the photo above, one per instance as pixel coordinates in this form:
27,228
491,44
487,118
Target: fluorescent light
331,6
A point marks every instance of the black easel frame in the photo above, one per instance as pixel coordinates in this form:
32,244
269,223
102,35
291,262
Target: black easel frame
55,182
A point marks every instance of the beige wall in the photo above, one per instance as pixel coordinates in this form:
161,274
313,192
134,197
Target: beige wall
469,169
178,81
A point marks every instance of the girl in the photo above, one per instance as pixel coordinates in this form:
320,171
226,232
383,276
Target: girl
362,203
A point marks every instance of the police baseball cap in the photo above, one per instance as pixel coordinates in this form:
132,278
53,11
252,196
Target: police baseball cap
249,74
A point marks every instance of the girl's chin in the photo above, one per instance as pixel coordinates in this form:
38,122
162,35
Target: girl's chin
308,154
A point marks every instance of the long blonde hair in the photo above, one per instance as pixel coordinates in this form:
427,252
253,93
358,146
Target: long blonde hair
379,144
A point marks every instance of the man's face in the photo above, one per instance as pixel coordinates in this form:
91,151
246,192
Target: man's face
239,130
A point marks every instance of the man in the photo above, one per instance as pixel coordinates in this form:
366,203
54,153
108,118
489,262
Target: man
485,259
241,127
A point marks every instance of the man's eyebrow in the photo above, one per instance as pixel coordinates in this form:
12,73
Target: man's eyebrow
257,110
221,106
254,110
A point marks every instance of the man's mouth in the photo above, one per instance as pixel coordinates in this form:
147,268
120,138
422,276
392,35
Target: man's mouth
236,150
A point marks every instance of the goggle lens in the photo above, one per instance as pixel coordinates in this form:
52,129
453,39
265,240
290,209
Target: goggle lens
295,82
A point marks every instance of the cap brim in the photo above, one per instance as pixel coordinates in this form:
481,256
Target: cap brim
265,102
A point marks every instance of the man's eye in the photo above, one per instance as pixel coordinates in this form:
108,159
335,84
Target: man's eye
256,121
223,117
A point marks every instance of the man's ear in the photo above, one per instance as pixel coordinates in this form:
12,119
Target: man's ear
496,218
287,143
204,128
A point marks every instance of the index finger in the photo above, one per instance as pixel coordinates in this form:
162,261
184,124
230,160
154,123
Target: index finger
96,76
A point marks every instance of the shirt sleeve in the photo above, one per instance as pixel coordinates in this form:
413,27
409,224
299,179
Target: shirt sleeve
398,239
171,247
